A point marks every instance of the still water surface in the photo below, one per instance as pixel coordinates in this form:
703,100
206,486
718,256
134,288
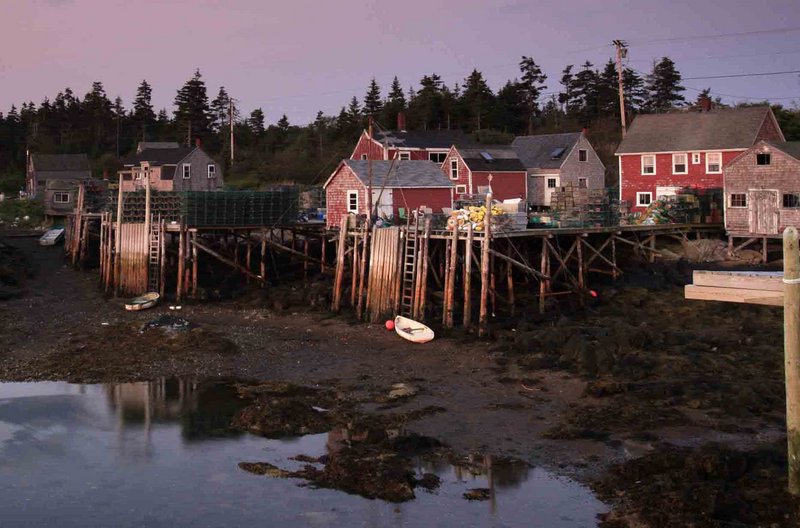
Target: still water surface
161,454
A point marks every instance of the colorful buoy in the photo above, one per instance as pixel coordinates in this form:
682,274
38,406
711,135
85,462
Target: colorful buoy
390,325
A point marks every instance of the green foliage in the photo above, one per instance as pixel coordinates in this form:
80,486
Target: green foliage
15,211
664,87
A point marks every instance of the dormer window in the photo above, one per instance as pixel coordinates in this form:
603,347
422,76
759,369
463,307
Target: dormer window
556,153
187,171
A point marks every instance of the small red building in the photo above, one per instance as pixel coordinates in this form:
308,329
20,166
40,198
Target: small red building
396,185
494,168
663,154
402,144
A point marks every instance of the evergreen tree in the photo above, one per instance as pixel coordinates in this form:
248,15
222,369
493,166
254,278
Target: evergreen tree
584,88
511,110
220,108
425,106
633,86
192,110
372,100
395,103
143,104
532,84
256,122
607,88
663,87
567,97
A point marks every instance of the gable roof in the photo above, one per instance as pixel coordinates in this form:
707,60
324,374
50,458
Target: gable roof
404,173
159,156
60,162
491,158
791,148
425,139
536,152
725,128
144,145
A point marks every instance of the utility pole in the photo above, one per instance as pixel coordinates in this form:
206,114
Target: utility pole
369,170
230,122
622,52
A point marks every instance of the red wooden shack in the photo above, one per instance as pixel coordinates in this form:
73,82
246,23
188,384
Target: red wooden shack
495,168
396,185
665,154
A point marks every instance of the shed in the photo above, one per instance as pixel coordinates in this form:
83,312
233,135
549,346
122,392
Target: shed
495,168
396,185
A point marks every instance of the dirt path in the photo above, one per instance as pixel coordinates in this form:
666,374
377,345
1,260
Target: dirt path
642,378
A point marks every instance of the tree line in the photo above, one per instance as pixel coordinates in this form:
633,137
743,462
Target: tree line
586,96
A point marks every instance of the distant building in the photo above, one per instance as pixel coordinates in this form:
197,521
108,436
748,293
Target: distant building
762,189
144,145
402,144
171,168
396,185
43,168
488,168
665,154
556,160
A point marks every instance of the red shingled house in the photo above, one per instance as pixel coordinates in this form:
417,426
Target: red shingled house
663,154
495,168
409,185
402,144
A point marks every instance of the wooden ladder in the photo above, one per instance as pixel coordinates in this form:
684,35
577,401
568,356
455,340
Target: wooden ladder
409,270
154,255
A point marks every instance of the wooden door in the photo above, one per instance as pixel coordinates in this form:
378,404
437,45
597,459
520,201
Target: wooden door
762,209
550,186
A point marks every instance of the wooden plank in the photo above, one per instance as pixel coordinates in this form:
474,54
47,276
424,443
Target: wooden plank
765,281
735,295
791,348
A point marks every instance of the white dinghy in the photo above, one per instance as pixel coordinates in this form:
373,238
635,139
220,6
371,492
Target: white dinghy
412,330
143,302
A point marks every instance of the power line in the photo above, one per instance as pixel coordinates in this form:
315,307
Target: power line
720,35
760,74
710,57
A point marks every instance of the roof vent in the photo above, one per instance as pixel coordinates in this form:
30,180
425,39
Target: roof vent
557,153
487,157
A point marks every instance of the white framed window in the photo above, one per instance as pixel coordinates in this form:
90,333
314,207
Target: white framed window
583,155
714,162
680,163
583,183
738,200
139,174
648,164
404,156
61,197
695,158
552,183
437,157
791,200
212,170
453,168
644,199
187,171
364,157
461,189
352,202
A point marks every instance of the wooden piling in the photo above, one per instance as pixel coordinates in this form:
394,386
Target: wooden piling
543,269
362,271
423,278
446,281
340,250
451,280
510,280
195,264
791,332
248,255
181,262
118,239
483,321
468,278
162,265
263,266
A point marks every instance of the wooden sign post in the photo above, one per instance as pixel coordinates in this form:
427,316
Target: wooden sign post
772,289
791,346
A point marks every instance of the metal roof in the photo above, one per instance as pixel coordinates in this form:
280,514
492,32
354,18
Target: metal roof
404,173
718,129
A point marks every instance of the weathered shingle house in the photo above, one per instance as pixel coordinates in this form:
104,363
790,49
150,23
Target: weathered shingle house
663,154
409,185
556,160
494,168
402,144
172,169
49,167
762,189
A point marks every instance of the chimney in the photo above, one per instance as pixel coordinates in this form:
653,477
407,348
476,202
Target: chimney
198,142
584,131
401,121
705,103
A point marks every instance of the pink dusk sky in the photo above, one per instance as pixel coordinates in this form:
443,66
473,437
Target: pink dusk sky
300,56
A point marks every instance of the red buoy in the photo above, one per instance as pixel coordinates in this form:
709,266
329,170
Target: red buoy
593,293
390,325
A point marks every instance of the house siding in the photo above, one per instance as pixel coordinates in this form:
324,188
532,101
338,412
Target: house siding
373,150
199,180
342,181
743,175
463,171
769,130
505,185
592,169
411,198
634,181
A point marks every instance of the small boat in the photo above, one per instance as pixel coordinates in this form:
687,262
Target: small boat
143,302
52,237
412,330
